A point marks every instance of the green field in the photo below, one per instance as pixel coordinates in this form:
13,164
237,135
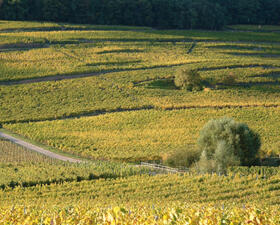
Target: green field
157,190
145,134
131,73
107,94
79,74
19,166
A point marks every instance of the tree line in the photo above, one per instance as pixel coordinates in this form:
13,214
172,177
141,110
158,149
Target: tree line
176,14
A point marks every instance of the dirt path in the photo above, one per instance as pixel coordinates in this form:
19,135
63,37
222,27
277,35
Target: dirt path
91,113
192,47
157,169
38,149
76,76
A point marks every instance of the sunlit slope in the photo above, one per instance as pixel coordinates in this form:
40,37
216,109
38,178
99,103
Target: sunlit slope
82,72
145,134
152,190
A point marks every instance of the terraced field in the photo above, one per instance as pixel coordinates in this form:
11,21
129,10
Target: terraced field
22,167
163,199
81,72
145,134
156,190
107,93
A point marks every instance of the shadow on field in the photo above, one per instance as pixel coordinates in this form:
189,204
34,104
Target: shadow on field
113,63
260,54
75,76
168,84
264,66
120,51
22,46
272,161
151,40
273,75
165,84
31,29
257,84
47,43
62,27
236,47
258,50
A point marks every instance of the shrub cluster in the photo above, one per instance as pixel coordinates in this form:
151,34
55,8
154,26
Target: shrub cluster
184,157
222,143
188,79
229,79
191,80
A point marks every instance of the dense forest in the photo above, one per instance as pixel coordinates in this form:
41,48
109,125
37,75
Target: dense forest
179,14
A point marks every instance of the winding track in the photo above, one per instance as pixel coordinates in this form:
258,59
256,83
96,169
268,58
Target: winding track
76,76
72,76
157,169
39,149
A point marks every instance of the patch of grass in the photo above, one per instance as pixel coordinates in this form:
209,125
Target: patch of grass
167,84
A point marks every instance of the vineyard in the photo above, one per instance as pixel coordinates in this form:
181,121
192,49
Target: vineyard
145,134
106,95
203,189
22,167
142,215
14,154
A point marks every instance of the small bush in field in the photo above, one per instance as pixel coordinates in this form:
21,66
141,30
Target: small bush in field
229,79
188,79
225,142
182,158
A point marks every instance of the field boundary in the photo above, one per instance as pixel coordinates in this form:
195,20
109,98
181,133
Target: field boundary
84,75
38,149
164,168
25,46
192,47
145,107
104,72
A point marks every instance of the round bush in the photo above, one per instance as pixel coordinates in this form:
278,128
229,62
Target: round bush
188,79
184,157
226,142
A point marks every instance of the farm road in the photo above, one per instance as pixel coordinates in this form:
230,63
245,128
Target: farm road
76,76
38,149
160,169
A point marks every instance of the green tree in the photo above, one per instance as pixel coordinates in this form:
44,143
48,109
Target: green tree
188,79
55,10
209,15
226,142
82,11
13,9
34,10
183,14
